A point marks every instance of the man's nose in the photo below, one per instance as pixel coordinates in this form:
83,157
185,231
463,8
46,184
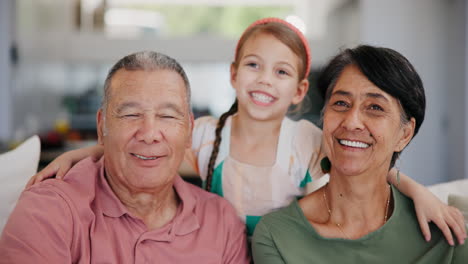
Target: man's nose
149,130
353,119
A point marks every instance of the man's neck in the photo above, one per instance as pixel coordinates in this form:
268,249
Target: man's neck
155,208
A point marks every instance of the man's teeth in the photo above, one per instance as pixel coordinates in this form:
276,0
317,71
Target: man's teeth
143,157
354,144
262,97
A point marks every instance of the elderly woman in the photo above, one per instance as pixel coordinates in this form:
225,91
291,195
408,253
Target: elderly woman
374,105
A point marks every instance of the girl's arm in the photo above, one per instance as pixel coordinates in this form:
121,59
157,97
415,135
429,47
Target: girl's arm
430,208
63,163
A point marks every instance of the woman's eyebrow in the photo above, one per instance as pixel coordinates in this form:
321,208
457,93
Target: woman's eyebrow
377,96
341,92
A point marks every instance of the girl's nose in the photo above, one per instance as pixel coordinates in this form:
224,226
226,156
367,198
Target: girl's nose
265,78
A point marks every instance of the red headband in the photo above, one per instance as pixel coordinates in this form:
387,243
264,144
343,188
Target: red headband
289,25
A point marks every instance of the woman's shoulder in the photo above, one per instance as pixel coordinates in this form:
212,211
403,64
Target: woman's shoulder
283,217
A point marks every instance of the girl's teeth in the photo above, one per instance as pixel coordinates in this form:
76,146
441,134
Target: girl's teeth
262,97
354,144
143,157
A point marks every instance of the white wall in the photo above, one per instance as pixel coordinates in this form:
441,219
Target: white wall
456,90
6,24
422,31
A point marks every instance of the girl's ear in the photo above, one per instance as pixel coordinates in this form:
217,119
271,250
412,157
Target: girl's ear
301,91
233,71
408,131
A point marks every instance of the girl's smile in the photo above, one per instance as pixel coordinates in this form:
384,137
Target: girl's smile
266,78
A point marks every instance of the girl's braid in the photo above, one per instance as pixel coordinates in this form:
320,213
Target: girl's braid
217,142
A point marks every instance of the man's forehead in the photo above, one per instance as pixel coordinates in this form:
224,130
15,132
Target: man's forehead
150,82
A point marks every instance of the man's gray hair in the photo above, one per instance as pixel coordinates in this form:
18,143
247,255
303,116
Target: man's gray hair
145,61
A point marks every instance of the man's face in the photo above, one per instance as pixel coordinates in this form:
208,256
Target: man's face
146,128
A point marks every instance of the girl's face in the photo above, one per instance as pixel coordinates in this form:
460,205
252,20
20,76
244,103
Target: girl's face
266,79
362,126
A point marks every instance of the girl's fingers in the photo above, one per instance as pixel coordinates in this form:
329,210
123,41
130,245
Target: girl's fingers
424,227
458,224
442,224
30,182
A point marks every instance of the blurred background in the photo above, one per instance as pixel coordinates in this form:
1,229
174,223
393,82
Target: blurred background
55,54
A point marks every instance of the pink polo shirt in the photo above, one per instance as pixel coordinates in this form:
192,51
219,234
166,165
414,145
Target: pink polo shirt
80,220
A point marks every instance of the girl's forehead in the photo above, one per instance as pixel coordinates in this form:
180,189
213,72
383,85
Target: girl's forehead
268,46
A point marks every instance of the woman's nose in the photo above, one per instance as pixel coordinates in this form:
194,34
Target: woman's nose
353,120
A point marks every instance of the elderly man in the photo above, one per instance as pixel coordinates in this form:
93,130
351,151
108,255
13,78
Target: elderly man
130,206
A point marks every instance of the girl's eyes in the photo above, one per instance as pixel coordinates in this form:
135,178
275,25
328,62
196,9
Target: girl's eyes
252,64
283,72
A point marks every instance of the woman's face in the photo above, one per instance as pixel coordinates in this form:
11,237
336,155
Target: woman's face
362,125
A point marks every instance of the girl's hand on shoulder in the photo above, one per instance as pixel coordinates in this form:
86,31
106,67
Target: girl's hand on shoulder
58,168
448,218
63,163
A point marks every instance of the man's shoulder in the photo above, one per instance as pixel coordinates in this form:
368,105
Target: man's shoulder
212,202
205,197
78,184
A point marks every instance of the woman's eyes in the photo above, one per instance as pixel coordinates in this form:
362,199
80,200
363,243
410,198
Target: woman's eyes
340,103
376,107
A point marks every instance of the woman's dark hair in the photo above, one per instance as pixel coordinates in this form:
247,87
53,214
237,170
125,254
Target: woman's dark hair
388,70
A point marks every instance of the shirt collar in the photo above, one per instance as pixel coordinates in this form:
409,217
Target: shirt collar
184,222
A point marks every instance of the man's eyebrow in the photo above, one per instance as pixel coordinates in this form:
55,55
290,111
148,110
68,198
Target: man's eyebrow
174,107
124,106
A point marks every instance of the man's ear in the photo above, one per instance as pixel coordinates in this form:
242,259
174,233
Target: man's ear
408,132
100,120
189,141
301,91
233,73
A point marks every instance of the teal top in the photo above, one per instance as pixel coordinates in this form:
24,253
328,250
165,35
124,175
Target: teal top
285,236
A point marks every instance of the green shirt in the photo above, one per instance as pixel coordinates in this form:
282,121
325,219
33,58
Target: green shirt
285,236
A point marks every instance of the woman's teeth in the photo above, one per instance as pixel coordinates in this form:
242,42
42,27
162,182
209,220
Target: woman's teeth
354,144
143,157
262,97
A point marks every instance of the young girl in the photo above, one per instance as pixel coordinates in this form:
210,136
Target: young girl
255,156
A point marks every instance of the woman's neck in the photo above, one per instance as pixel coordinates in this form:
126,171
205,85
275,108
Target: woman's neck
360,203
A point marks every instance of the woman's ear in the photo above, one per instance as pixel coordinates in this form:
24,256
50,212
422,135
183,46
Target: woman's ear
301,91
407,135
